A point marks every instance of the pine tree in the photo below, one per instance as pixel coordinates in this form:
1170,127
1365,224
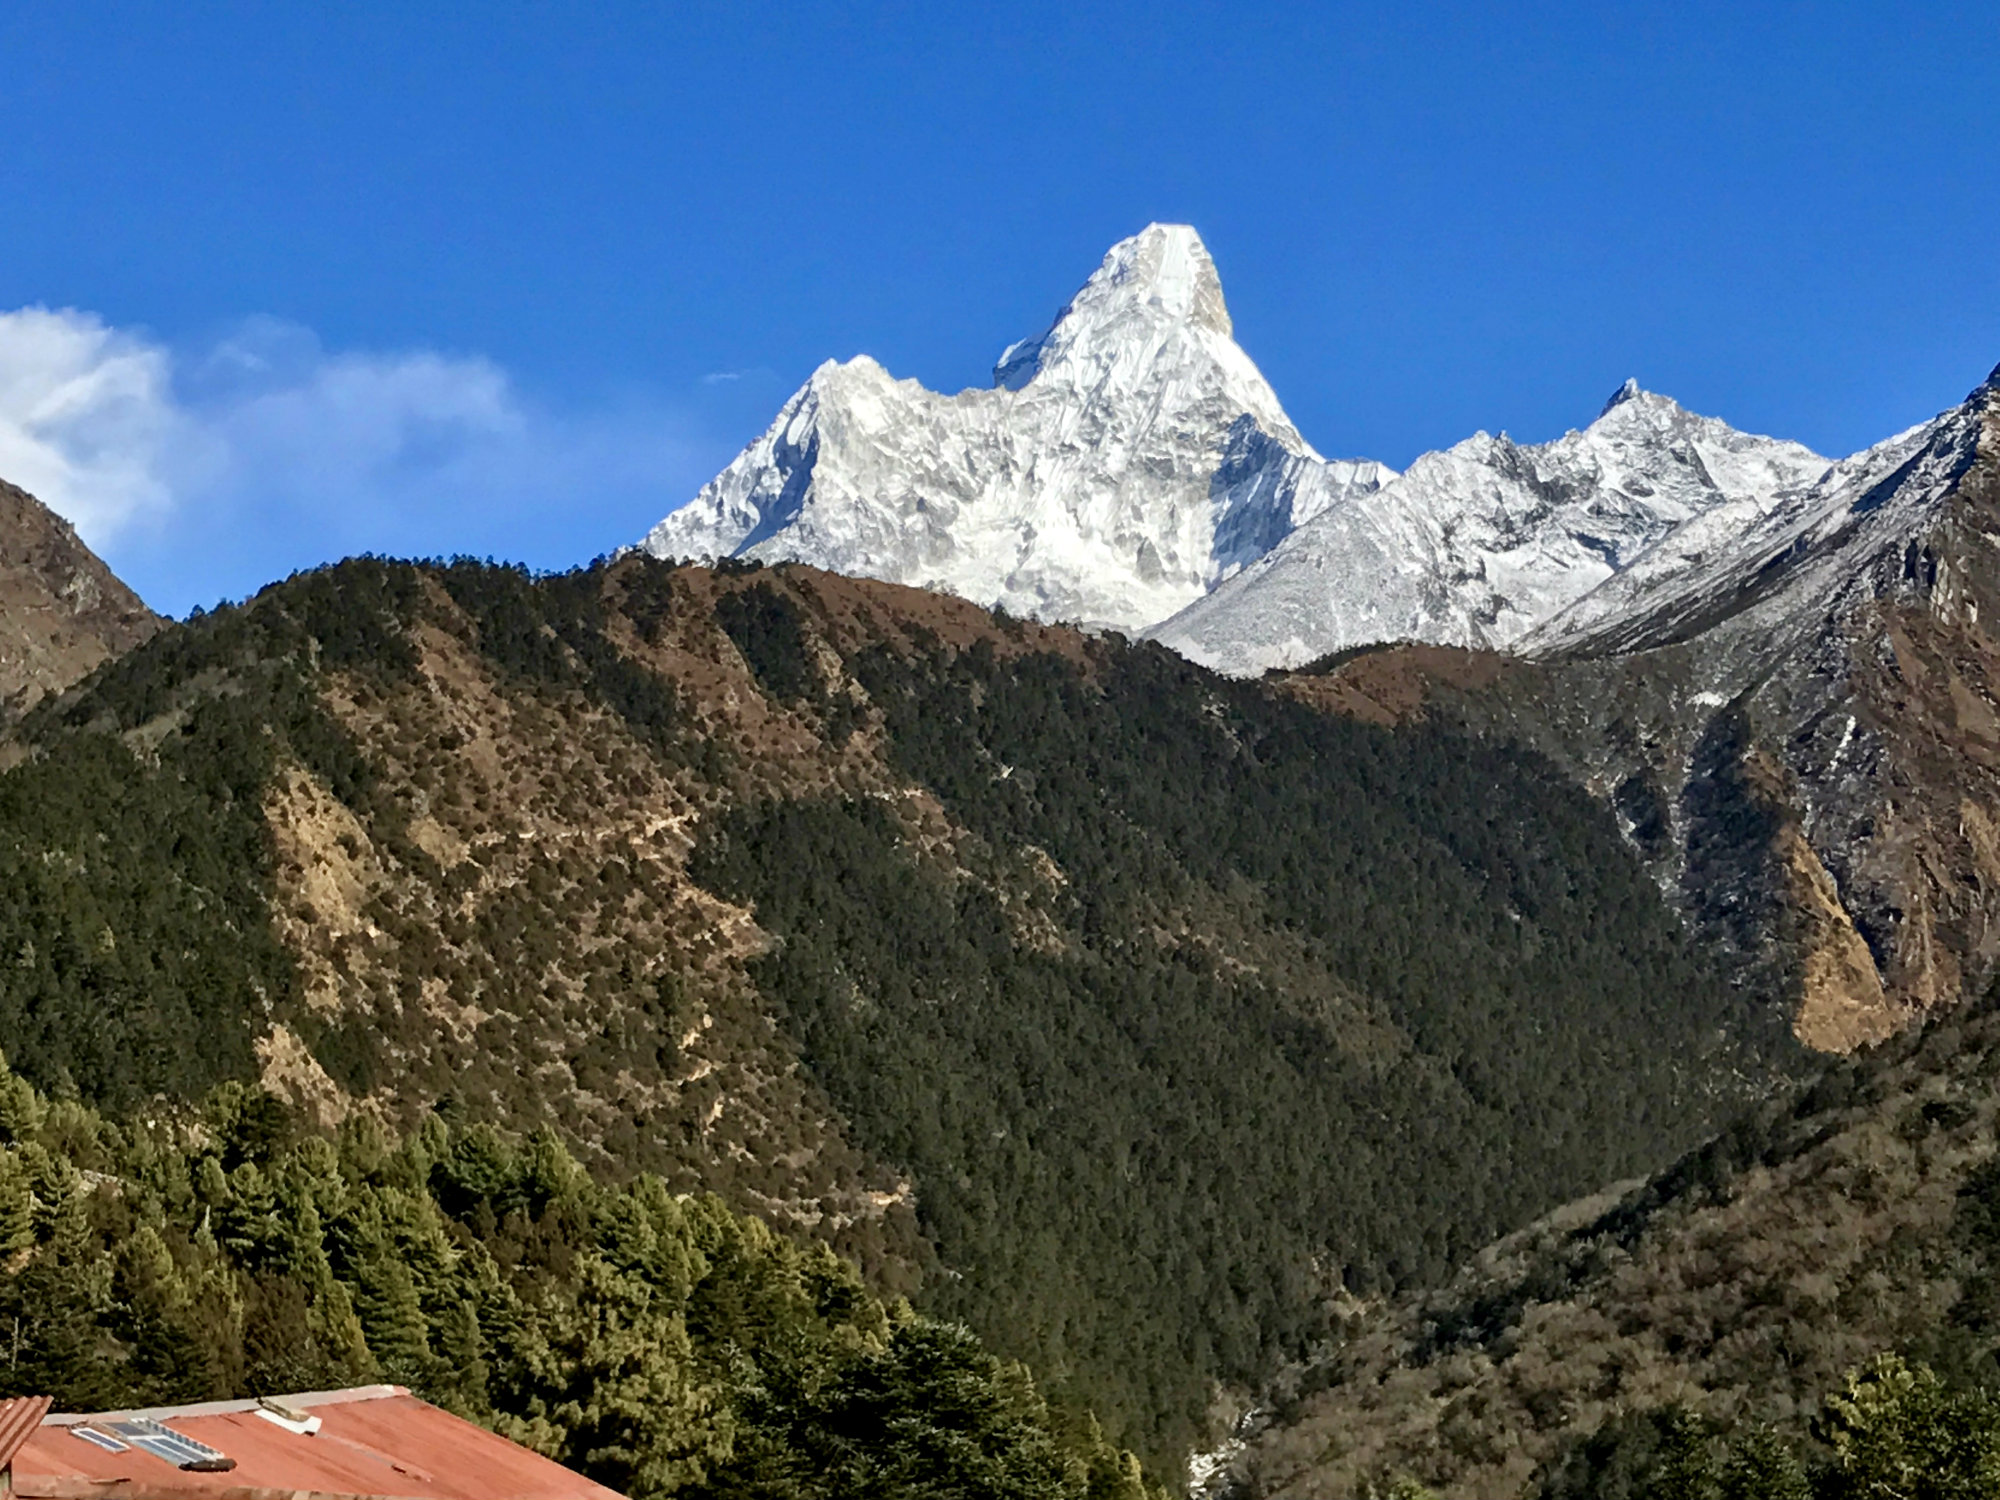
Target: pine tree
1762,1466
20,1109
392,1315
17,1217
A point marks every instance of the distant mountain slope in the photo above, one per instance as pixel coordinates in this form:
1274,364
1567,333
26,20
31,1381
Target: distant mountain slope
1140,1017
1801,728
1480,544
61,609
1806,554
1124,462
1860,1216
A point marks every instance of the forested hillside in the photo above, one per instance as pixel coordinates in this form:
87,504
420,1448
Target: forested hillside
1143,1019
1207,982
662,1344
1838,1245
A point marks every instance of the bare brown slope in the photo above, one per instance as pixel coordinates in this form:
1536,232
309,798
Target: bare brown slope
62,611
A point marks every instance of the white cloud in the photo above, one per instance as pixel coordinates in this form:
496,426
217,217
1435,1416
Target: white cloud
290,425
87,417
207,472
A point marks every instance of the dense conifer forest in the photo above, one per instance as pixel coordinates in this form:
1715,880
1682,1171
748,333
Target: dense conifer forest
1803,1306
1145,1021
1109,1116
660,1343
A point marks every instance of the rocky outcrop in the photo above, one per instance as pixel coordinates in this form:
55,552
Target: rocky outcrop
62,611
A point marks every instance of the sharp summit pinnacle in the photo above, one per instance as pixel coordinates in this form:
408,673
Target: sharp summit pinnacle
1629,391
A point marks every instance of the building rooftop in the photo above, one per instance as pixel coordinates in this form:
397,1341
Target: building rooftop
19,1417
374,1441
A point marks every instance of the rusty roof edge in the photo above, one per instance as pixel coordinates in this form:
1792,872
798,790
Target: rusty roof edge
75,1487
301,1399
19,1416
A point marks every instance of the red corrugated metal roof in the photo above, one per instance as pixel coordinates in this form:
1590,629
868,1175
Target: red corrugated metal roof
373,1441
19,1416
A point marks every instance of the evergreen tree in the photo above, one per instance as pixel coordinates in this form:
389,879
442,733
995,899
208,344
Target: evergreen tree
1760,1465
1895,1430
17,1218
660,1343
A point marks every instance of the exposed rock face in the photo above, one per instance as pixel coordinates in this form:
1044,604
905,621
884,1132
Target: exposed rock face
1124,462
1800,727
1479,544
62,611
1841,1000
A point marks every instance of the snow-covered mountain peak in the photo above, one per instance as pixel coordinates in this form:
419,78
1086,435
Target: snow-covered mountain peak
1155,300
1161,276
1124,461
1794,559
1481,542
1165,267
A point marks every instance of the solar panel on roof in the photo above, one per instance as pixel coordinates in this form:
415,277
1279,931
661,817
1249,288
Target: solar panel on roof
102,1440
177,1448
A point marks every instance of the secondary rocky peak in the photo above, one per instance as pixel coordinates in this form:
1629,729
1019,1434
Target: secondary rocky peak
1481,543
1633,405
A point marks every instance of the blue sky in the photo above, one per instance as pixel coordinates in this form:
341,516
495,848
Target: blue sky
283,282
